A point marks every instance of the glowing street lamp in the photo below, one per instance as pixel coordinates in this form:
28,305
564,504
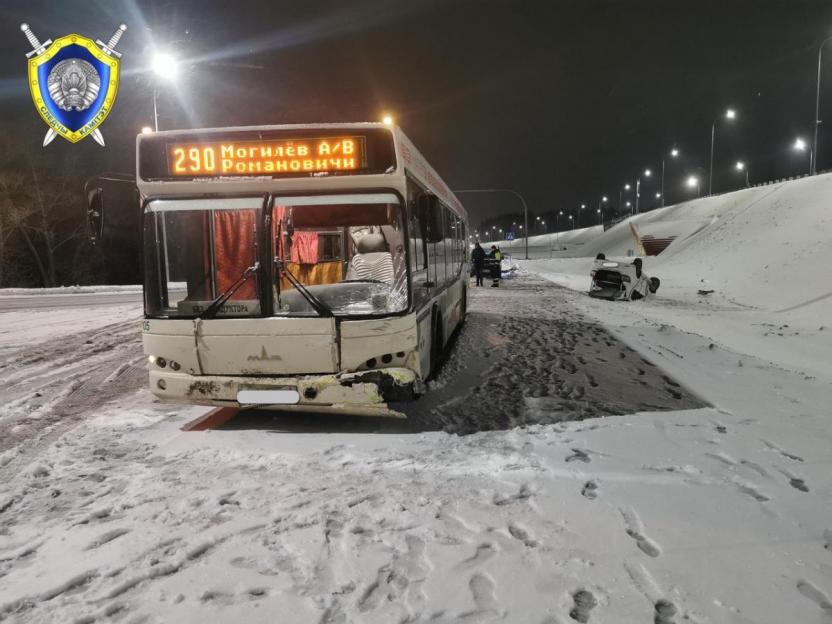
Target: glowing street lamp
740,167
730,115
387,120
572,222
147,130
800,146
600,216
693,182
164,65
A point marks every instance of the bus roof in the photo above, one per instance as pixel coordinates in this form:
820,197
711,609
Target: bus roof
408,161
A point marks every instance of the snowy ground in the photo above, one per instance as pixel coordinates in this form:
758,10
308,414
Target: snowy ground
108,512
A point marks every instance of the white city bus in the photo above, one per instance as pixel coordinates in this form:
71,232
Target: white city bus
316,267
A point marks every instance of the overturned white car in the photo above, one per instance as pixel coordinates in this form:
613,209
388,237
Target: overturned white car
620,281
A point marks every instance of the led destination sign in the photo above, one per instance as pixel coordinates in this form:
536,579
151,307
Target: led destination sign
329,154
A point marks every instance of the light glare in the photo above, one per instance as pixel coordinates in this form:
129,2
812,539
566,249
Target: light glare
799,144
165,66
730,114
147,130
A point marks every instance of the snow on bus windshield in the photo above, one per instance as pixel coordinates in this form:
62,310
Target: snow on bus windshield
346,250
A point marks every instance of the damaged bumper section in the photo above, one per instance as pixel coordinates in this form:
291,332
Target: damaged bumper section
362,393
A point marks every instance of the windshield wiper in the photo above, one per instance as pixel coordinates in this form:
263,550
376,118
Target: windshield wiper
319,306
216,304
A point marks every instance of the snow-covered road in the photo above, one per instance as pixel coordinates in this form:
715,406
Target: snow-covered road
717,514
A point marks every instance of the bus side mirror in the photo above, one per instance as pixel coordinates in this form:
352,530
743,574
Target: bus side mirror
429,211
95,213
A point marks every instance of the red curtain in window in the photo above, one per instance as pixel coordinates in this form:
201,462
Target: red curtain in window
234,250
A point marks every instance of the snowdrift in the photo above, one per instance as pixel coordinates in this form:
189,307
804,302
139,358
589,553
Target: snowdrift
765,247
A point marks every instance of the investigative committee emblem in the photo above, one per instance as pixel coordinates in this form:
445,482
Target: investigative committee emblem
73,81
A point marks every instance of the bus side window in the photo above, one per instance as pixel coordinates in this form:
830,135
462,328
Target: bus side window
419,274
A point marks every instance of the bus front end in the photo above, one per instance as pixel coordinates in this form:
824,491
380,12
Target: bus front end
314,291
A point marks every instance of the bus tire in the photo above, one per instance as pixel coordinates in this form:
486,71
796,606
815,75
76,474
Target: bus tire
436,344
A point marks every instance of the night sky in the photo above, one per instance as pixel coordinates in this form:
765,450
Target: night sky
559,100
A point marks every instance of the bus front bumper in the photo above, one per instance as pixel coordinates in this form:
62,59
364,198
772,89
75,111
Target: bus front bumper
365,392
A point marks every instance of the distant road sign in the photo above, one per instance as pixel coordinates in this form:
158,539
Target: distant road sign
510,236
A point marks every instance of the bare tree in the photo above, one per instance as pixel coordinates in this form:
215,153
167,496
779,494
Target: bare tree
44,211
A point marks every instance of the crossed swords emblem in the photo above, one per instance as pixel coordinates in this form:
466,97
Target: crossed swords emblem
108,48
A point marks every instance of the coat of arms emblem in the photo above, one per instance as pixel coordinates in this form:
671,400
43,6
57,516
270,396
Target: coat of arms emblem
73,81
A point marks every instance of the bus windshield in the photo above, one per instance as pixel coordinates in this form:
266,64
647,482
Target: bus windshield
196,250
346,251
340,255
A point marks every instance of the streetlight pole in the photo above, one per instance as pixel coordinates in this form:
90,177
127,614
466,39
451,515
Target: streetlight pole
522,201
673,153
603,200
647,174
729,114
155,109
813,166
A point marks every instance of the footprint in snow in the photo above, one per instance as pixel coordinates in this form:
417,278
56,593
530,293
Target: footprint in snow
590,490
523,493
635,529
784,453
485,551
755,467
665,612
483,589
813,593
584,602
752,491
520,533
723,458
827,539
579,455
